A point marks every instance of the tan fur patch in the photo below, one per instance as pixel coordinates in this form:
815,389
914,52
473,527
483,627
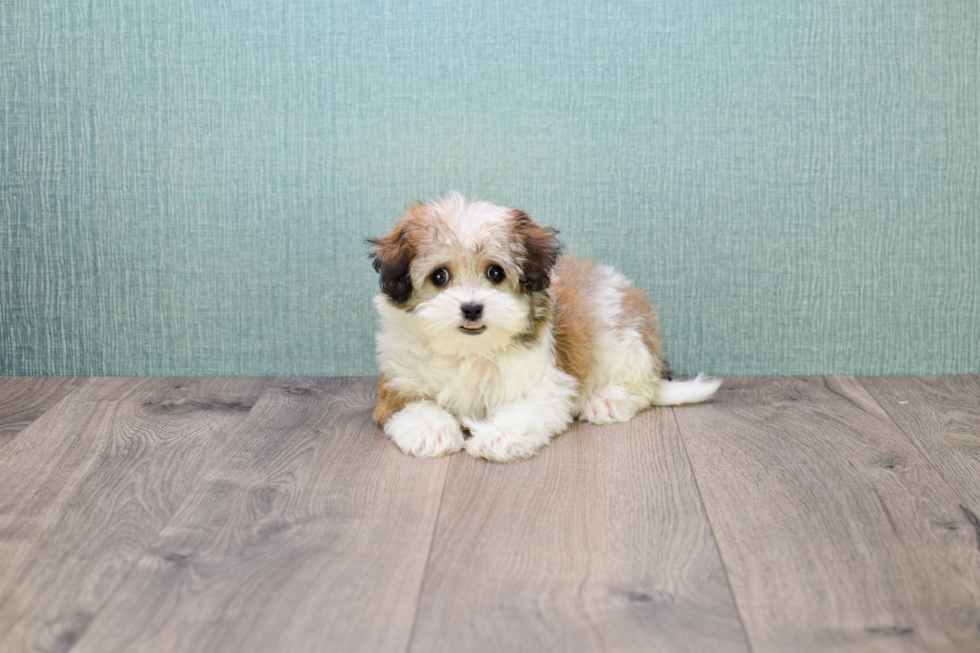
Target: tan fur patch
639,315
389,402
574,328
539,316
541,250
393,253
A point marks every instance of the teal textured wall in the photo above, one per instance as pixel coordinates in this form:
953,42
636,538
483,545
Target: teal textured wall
185,186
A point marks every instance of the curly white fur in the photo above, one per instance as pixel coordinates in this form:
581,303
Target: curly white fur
503,386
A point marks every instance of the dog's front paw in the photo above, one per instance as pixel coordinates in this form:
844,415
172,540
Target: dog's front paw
425,430
500,442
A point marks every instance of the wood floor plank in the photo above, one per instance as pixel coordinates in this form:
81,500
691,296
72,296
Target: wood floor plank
837,534
598,543
25,398
941,415
310,533
88,486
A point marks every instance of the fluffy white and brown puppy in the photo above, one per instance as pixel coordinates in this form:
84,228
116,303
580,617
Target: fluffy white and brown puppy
487,329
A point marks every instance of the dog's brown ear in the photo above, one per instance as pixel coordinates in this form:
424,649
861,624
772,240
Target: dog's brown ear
541,251
393,256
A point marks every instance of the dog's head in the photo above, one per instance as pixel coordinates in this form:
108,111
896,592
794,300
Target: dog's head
472,275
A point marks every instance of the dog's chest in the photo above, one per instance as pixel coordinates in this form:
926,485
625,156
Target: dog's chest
474,387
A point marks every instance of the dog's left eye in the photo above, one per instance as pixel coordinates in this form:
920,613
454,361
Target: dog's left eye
495,273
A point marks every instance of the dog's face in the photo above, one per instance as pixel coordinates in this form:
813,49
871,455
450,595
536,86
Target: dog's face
472,275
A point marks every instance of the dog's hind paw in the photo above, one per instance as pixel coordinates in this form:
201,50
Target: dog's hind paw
608,405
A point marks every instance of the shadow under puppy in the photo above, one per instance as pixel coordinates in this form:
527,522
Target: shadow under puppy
486,327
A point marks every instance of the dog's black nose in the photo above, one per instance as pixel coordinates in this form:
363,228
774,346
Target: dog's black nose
472,312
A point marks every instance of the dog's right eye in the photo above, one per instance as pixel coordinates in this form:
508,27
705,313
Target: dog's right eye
440,277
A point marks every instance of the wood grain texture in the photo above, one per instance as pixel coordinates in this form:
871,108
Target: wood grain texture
941,415
837,534
599,543
89,485
23,399
309,534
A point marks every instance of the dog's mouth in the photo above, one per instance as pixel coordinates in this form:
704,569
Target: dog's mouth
473,328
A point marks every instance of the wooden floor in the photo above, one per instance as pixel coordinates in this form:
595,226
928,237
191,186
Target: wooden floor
271,514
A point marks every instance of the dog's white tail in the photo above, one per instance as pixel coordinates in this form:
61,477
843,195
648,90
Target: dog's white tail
675,393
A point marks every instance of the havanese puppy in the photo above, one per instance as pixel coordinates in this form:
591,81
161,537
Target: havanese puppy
493,341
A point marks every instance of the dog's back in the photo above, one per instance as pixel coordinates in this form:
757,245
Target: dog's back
606,336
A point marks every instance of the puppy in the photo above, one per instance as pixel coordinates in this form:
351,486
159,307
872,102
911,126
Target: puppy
488,331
